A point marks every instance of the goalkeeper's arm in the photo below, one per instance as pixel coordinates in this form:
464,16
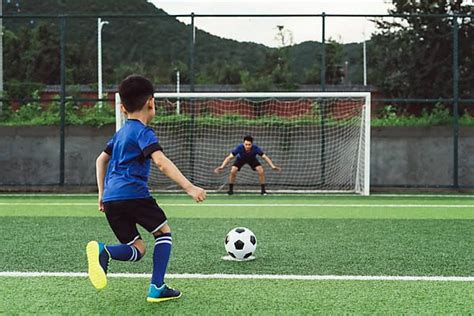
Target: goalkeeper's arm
224,163
270,163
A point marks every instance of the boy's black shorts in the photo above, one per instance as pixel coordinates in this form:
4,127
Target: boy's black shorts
253,163
124,215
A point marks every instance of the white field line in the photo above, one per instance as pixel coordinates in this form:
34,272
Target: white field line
255,204
251,276
469,196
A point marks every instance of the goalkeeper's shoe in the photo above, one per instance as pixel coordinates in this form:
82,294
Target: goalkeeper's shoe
98,259
162,293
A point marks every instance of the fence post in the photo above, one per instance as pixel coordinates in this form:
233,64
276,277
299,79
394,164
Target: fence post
323,53
62,27
192,52
455,101
192,125
1,58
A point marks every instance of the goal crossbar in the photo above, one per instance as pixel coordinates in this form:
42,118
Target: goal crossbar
263,95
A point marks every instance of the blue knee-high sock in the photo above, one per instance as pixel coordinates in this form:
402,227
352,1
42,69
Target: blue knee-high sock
123,252
161,256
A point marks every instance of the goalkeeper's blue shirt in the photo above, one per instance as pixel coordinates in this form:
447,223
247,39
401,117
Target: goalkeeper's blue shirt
241,154
130,151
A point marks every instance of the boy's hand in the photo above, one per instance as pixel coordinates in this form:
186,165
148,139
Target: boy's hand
275,168
198,194
101,205
218,170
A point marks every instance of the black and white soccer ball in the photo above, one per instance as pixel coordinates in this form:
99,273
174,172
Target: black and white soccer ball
240,243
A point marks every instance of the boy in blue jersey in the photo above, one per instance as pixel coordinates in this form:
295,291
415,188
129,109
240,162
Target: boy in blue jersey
246,153
122,174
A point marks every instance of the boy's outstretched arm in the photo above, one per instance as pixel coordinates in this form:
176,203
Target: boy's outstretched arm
101,168
269,161
168,168
224,163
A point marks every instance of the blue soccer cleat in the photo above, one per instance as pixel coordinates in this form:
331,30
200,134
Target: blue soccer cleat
162,293
98,260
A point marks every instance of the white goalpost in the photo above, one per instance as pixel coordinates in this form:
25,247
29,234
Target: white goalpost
321,140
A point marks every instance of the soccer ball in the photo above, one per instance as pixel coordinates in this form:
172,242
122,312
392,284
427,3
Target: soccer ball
240,243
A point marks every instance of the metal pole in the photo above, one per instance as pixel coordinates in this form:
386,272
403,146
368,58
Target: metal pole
99,60
364,49
322,114
346,72
177,91
100,24
191,63
63,98
192,121
323,53
455,101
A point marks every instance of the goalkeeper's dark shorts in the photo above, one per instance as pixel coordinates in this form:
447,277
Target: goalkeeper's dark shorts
124,215
252,162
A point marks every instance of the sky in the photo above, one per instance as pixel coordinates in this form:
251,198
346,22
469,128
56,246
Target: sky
264,30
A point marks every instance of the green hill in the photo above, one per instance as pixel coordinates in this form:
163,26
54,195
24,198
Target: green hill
155,46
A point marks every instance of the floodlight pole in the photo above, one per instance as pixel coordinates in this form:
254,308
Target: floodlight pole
100,24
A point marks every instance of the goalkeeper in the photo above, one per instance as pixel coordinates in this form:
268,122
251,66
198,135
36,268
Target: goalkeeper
246,153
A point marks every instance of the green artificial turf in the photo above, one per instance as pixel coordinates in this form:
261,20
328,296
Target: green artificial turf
298,246
251,206
297,235
57,295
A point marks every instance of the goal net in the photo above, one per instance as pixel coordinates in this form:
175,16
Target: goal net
320,140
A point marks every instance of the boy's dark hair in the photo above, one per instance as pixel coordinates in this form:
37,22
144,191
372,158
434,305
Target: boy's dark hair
134,91
249,138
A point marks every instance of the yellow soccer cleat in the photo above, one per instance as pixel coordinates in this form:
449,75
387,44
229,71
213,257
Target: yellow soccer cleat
97,260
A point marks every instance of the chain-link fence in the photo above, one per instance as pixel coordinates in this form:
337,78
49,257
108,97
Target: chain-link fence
418,68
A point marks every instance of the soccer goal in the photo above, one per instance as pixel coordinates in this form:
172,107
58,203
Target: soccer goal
320,140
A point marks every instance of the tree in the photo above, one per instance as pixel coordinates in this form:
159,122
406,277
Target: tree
275,72
32,55
183,73
229,74
334,53
334,62
284,37
412,56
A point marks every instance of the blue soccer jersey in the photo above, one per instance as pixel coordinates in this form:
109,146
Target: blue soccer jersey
241,154
129,166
